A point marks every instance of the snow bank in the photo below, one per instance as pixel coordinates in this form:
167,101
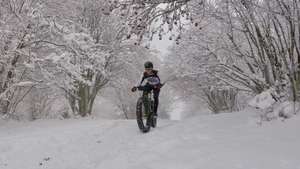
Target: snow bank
270,109
263,100
286,109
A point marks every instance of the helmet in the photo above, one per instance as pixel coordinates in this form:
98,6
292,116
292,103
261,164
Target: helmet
148,64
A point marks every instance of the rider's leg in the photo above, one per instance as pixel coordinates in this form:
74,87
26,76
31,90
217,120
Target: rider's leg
156,101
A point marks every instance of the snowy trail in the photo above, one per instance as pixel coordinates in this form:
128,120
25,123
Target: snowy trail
226,141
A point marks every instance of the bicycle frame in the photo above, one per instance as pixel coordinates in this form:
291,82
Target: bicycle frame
147,98
145,118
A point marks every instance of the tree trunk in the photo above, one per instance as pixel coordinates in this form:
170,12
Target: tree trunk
86,100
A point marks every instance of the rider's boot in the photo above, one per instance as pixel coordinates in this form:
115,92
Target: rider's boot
149,122
153,121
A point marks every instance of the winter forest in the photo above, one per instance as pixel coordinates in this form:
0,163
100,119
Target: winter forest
225,64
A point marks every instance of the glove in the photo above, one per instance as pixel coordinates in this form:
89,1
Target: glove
134,89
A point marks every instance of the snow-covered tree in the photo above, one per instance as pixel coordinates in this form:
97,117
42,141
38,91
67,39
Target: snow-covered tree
144,19
86,46
17,37
252,44
71,45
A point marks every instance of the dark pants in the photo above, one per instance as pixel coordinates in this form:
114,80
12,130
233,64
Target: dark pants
148,88
156,100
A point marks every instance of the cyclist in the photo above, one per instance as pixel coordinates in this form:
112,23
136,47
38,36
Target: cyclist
150,76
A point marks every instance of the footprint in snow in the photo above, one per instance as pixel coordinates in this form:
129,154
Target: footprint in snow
45,160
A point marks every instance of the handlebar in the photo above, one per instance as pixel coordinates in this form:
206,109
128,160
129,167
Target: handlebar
145,87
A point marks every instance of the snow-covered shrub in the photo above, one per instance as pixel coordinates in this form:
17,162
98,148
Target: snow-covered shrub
287,109
47,103
265,102
271,107
221,100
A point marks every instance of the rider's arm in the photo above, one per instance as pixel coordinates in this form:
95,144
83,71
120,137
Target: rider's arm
160,84
158,79
141,82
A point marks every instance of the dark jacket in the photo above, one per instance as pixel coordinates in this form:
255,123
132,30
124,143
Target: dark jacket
151,79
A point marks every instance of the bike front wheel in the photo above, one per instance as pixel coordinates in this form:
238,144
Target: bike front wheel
142,119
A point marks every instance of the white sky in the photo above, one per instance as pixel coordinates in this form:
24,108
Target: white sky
162,45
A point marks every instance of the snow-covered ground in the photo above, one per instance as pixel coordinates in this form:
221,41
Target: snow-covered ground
225,141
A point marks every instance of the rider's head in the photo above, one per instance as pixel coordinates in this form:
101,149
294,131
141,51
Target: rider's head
148,66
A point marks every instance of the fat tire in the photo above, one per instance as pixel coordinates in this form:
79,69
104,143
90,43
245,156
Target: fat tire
139,116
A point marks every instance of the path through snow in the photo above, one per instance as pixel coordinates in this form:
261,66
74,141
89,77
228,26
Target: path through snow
226,141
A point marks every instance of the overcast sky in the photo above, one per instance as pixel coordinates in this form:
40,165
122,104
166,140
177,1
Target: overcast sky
161,45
